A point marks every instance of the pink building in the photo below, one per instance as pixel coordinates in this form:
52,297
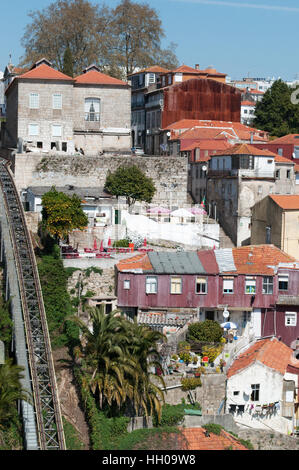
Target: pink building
257,285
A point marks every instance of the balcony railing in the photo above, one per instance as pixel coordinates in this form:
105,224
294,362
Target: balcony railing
92,117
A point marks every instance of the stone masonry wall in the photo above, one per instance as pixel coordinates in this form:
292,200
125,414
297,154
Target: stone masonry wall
168,173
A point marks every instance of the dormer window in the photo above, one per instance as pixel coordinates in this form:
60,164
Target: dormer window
92,109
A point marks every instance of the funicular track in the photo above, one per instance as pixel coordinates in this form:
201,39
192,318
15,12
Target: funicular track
44,386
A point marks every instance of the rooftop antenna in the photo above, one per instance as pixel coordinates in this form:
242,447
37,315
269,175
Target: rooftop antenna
10,59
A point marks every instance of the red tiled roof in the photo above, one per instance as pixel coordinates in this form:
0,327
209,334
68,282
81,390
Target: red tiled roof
286,202
186,69
280,159
140,261
246,149
205,144
248,103
93,77
270,352
259,259
44,72
287,139
153,69
296,168
195,439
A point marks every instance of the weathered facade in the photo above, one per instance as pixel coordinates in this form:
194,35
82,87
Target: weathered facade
253,283
240,177
275,220
48,111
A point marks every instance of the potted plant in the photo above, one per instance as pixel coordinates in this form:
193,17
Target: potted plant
197,372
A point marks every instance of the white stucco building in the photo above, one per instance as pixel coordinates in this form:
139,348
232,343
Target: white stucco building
262,387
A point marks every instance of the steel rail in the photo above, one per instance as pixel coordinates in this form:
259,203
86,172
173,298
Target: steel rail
44,385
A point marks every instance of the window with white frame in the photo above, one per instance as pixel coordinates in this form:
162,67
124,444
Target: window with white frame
34,101
57,101
176,285
283,282
151,285
267,285
250,285
201,285
33,129
56,130
92,109
228,286
127,284
290,318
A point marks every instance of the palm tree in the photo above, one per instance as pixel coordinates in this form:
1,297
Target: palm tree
142,346
104,364
10,390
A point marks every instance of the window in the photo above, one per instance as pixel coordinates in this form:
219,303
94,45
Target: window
64,146
249,286
176,285
33,129
277,174
280,152
290,318
267,285
34,100
127,284
39,145
57,101
236,393
92,109
283,282
56,130
228,286
151,286
255,392
288,174
201,285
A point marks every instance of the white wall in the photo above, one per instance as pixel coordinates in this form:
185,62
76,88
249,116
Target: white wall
188,234
271,385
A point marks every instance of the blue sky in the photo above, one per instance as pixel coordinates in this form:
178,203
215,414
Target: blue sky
240,38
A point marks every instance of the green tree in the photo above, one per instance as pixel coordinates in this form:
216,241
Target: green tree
131,182
68,63
61,213
207,331
276,113
10,390
142,347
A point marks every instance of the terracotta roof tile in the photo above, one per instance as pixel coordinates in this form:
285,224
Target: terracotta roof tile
196,439
246,149
280,159
259,259
287,139
287,202
44,72
248,103
140,262
93,77
153,69
270,352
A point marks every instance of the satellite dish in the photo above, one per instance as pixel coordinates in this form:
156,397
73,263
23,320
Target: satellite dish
225,313
168,134
204,168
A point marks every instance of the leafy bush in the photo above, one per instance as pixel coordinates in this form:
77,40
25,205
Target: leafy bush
211,352
208,331
122,243
213,428
184,345
190,383
186,357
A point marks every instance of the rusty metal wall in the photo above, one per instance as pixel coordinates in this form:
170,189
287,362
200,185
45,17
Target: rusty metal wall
201,99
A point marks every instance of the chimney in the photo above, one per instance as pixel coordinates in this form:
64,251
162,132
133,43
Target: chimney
197,66
251,137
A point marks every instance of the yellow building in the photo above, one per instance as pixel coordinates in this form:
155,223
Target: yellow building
275,219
